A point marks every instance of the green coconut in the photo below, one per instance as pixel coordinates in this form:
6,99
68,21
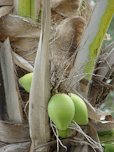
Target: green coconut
26,81
64,133
61,110
81,112
108,147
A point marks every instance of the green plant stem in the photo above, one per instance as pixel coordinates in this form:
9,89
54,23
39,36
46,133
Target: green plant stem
35,9
91,43
24,8
106,136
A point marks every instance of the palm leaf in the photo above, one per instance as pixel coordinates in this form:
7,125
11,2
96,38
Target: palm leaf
40,89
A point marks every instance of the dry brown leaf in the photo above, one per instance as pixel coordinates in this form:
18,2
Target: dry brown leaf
12,95
13,133
2,144
93,113
22,45
99,88
70,31
81,148
65,7
17,27
105,65
20,147
26,48
103,126
6,2
22,63
55,3
5,10
93,132
23,34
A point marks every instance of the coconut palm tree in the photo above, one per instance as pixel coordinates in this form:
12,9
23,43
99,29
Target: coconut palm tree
59,42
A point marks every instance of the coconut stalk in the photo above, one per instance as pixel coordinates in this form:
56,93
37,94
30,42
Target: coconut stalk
15,3
92,40
24,8
106,136
40,88
35,9
104,70
29,8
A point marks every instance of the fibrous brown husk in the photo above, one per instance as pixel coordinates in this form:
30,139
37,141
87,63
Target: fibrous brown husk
66,8
68,30
63,49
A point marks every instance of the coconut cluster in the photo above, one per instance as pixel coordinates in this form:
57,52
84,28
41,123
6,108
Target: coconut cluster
63,109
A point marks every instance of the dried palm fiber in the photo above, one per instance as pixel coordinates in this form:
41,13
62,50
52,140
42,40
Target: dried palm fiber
66,8
62,9
67,37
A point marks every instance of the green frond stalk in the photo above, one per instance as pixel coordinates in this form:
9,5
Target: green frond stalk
93,38
24,8
106,136
35,9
